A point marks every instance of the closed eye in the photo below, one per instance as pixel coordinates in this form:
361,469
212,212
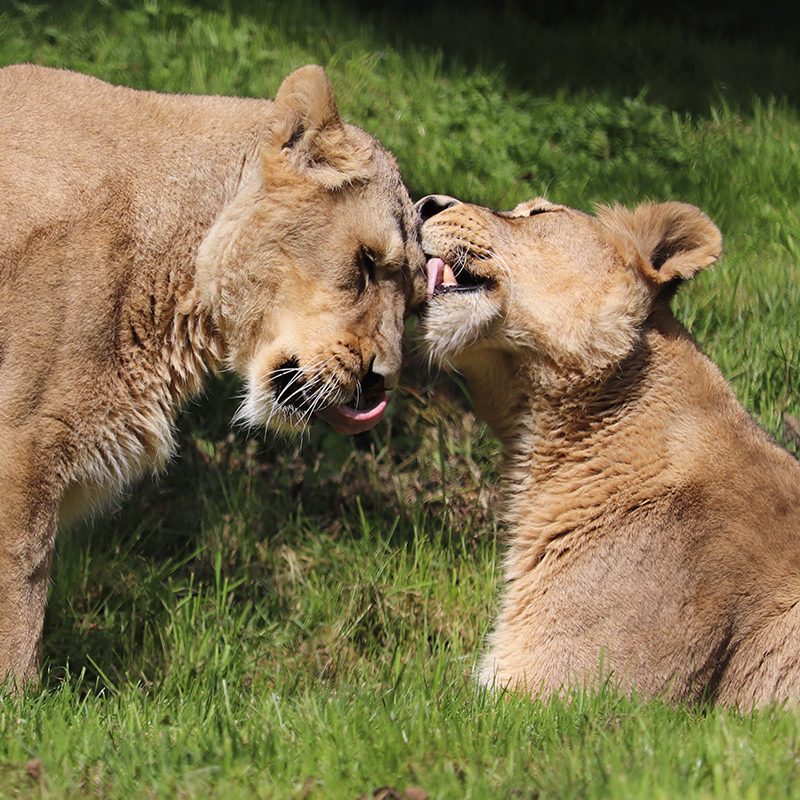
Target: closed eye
524,213
366,264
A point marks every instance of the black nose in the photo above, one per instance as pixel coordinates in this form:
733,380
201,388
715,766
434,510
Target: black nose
433,204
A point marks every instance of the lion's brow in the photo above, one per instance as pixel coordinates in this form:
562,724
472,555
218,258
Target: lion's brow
402,225
402,229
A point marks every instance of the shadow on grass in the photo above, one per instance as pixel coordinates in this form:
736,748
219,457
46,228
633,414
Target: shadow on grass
230,507
685,55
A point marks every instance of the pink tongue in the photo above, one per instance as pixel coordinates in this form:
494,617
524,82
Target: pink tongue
349,420
439,274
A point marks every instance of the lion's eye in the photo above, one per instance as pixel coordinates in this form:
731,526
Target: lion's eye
366,262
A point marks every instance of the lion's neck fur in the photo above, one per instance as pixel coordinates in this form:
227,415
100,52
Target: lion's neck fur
186,349
578,456
169,341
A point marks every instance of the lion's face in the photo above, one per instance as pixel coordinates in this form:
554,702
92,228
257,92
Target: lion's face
564,290
312,267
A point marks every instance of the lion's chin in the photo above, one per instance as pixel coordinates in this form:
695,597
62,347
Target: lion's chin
451,325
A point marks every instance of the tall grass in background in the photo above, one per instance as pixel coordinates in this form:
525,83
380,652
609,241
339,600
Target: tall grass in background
273,619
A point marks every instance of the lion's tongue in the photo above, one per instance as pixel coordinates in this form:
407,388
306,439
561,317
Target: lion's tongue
439,274
346,419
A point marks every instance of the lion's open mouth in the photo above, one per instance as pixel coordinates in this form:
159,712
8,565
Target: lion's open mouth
444,279
306,398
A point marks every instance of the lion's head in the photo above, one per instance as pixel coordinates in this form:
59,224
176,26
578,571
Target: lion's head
555,288
311,267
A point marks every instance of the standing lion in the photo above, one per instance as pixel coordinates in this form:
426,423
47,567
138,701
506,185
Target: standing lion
149,239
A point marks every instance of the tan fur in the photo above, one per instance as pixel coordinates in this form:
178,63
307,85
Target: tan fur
148,239
654,527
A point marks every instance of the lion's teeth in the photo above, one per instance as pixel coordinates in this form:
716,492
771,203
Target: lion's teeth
439,274
448,276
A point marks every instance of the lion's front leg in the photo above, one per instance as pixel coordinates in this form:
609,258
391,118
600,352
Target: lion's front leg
28,523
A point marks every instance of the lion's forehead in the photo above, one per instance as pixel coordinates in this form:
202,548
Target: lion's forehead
386,187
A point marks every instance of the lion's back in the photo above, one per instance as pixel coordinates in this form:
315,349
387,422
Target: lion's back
70,138
58,145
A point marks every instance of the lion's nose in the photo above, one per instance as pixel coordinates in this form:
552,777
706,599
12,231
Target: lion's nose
433,204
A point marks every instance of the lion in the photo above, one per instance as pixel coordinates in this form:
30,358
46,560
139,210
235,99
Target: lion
148,240
654,528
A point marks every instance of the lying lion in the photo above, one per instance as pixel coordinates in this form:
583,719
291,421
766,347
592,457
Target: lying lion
147,240
655,528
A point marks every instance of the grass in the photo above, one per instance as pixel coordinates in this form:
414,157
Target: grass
274,619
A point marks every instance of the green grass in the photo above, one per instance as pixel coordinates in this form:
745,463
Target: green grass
274,619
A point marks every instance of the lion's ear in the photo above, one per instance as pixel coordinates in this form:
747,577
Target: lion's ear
305,105
308,131
668,241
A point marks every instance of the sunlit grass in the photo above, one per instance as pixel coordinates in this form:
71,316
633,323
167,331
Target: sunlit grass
269,620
